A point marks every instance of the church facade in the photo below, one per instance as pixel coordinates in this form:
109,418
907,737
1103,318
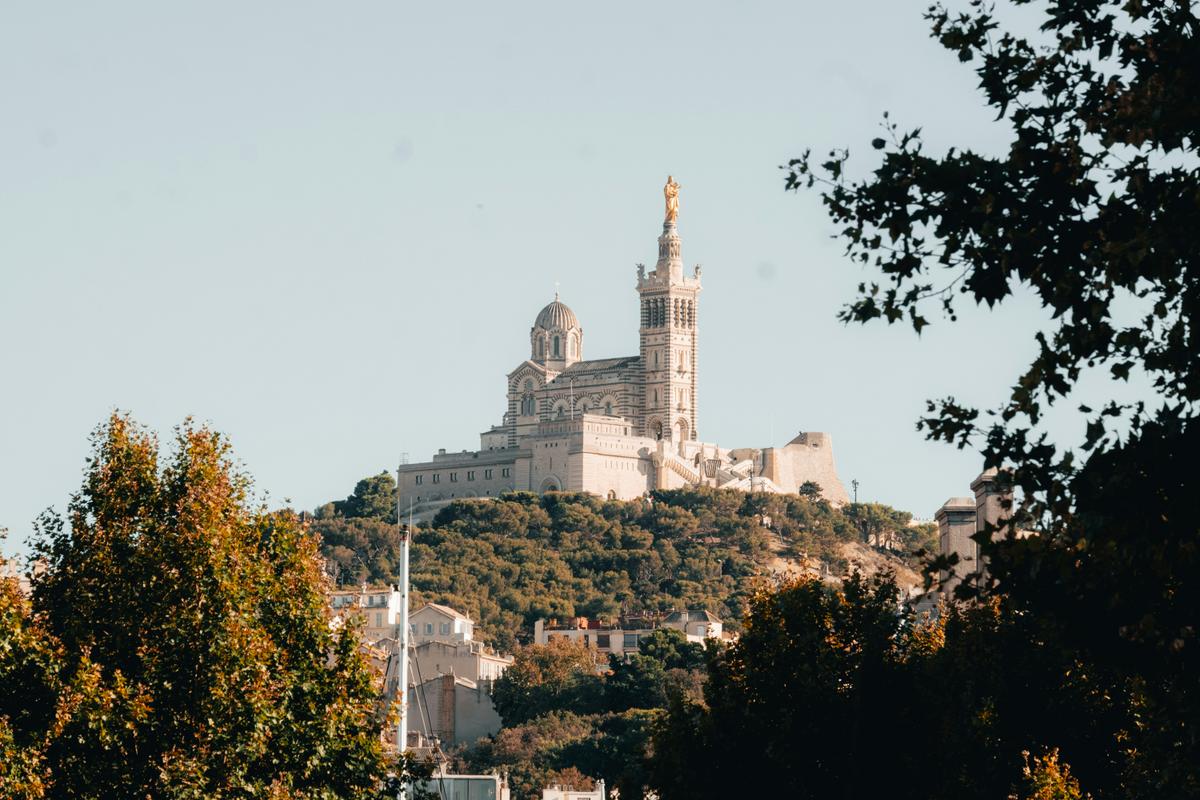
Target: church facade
615,427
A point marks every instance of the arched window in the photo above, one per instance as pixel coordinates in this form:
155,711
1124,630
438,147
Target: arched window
529,385
555,348
527,406
608,409
541,349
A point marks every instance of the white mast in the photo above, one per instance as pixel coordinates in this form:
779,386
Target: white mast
402,622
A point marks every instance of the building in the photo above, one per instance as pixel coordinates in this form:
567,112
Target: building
963,521
463,787
442,639
378,609
625,635
435,623
453,709
559,792
472,660
697,624
615,427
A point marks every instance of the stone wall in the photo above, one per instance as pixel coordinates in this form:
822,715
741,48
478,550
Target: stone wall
808,457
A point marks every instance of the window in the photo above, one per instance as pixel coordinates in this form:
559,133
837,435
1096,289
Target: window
504,472
529,386
429,629
437,478
418,479
602,641
656,358
444,629
541,348
454,477
608,409
487,474
630,641
378,620
556,346
470,475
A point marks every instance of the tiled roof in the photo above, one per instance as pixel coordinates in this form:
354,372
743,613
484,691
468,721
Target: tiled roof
598,365
693,615
445,610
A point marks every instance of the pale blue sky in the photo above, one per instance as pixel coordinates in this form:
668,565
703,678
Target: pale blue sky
326,228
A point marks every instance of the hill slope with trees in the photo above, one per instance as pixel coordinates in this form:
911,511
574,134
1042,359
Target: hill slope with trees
506,562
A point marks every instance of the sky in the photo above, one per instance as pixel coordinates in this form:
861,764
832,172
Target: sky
326,229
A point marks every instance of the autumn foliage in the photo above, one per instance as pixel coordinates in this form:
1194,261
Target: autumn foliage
176,644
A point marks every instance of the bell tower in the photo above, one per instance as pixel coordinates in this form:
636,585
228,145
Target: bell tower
668,334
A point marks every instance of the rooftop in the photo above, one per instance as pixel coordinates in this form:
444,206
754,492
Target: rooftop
447,610
598,365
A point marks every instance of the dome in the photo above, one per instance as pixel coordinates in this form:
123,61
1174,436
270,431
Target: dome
556,316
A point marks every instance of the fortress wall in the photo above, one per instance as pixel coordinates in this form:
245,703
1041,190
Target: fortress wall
476,474
623,475
613,462
808,457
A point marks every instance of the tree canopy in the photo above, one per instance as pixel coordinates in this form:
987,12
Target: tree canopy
176,643
1093,209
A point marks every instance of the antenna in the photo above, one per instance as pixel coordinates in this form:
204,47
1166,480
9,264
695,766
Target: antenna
854,483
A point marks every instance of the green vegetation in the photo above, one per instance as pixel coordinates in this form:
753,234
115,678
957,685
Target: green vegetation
1092,209
839,692
560,715
506,562
176,643
509,561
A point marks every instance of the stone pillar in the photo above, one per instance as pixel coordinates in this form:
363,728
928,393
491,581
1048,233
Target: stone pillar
956,526
658,459
993,506
993,502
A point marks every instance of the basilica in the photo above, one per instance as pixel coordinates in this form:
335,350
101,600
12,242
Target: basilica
616,427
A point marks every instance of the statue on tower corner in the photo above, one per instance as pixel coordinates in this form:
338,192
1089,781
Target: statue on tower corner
671,192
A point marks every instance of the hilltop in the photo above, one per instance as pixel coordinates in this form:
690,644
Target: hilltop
508,561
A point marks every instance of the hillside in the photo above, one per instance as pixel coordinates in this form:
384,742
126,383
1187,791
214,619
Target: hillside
508,561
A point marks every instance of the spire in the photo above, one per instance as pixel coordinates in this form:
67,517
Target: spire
670,258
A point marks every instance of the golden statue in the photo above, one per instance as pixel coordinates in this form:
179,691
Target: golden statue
671,191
